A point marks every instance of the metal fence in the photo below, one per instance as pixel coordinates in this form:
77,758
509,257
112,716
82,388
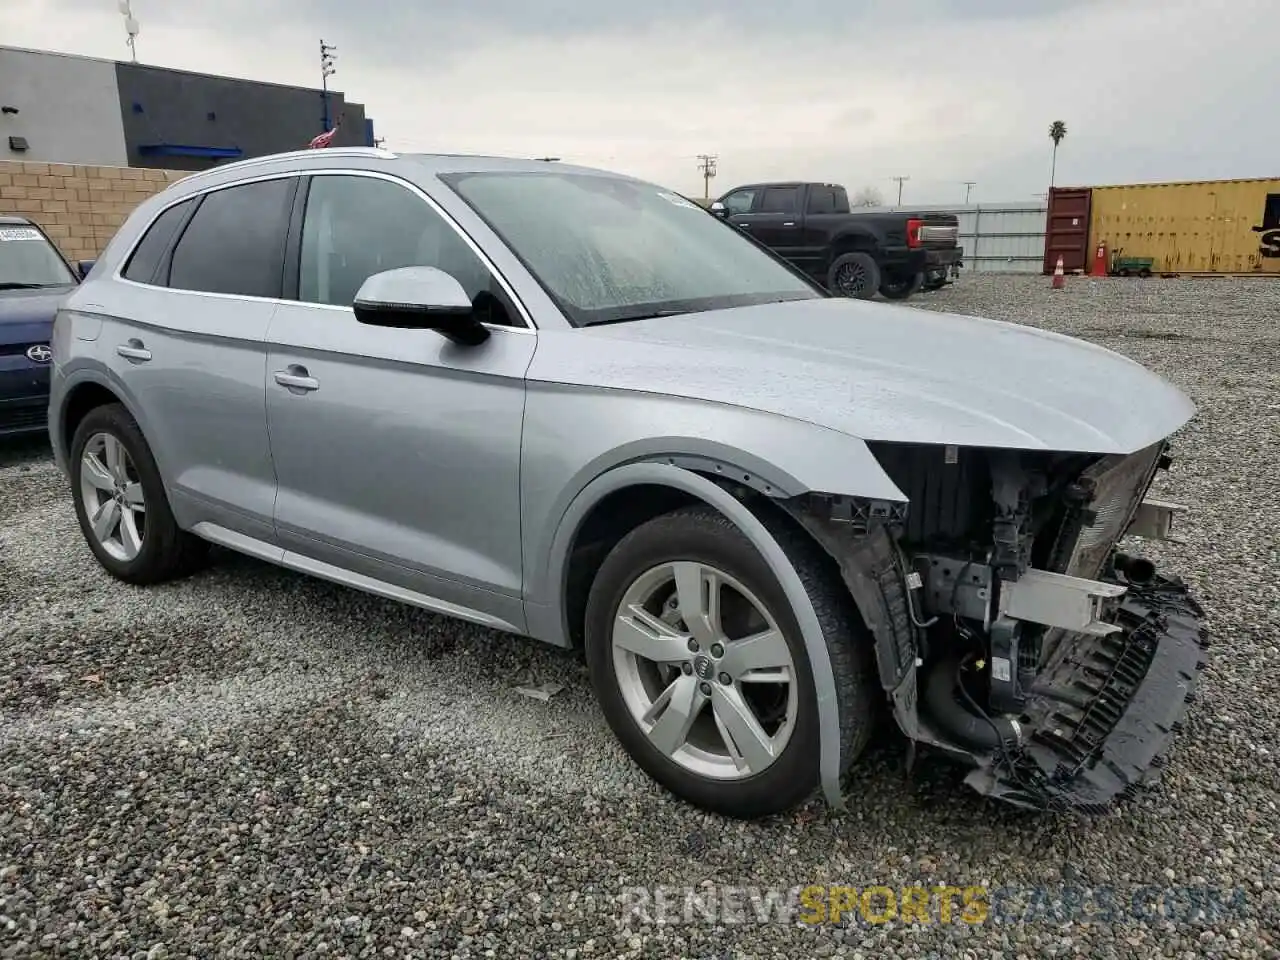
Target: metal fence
998,237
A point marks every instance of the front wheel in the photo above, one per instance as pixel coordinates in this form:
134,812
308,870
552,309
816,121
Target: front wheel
855,275
701,670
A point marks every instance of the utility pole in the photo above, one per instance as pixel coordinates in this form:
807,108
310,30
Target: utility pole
707,164
901,181
328,55
968,185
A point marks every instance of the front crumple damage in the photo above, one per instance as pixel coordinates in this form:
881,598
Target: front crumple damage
1010,633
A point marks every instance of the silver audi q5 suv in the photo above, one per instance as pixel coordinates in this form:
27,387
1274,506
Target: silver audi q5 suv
575,406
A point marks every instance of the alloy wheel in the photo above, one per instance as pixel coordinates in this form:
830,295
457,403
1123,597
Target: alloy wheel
113,499
851,279
704,670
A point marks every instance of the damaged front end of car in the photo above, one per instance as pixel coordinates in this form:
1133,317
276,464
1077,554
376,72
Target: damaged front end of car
1010,633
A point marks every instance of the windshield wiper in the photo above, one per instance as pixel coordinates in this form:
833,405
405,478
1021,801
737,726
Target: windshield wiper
15,285
629,317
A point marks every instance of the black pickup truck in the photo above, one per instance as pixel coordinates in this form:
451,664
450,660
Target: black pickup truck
851,253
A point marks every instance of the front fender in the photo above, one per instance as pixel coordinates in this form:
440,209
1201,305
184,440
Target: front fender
666,474
572,438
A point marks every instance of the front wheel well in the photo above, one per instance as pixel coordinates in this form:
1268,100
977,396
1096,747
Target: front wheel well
624,510
84,398
609,521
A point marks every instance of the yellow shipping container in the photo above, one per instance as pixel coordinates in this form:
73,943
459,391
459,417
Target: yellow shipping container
1214,226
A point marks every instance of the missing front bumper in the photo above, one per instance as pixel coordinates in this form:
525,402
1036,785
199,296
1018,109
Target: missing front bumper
1106,708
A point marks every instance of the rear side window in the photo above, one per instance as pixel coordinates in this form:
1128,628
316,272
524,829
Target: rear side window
822,199
235,242
150,251
780,200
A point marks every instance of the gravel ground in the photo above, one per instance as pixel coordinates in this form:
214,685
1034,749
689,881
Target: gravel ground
251,763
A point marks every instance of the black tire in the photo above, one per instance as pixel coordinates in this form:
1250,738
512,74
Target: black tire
936,283
1144,273
167,551
701,533
854,275
899,288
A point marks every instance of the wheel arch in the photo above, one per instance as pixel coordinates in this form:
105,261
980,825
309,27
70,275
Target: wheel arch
666,484
851,241
83,392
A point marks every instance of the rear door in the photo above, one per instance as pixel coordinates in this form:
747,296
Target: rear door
185,334
776,218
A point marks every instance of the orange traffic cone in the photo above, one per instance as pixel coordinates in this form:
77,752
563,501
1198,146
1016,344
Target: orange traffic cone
1059,278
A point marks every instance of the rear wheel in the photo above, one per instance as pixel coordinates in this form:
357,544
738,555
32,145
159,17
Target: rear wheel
900,288
701,671
121,504
855,275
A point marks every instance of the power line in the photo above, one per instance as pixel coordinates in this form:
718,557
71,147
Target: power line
707,164
901,181
968,185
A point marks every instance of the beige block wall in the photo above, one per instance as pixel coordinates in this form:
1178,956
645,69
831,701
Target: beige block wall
80,207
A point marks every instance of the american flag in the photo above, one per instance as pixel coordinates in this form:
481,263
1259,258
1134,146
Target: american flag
324,139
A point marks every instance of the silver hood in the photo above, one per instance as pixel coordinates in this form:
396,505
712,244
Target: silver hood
882,372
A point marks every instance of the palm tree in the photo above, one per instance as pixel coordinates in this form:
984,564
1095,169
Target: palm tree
1057,132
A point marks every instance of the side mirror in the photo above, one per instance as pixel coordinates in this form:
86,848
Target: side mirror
84,266
419,298
720,210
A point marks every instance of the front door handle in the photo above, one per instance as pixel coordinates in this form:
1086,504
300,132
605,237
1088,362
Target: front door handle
134,350
789,223
297,378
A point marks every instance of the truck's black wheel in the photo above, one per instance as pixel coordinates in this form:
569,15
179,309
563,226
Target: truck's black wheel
900,288
855,275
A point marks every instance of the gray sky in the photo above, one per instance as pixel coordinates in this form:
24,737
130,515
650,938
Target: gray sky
853,91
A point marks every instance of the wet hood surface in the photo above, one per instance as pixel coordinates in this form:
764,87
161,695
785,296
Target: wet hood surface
882,372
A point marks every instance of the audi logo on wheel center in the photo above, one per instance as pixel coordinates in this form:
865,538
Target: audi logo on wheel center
39,353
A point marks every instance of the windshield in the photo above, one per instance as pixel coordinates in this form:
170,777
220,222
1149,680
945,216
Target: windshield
607,249
27,259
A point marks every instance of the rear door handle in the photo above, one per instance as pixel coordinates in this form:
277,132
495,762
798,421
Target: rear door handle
789,223
134,350
296,378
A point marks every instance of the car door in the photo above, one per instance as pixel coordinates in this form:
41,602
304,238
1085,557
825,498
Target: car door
185,335
775,219
397,452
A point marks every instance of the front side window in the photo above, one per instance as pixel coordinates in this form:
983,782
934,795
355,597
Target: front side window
739,202
357,226
29,261
235,241
608,249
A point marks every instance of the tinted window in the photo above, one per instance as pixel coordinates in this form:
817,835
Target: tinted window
822,200
608,249
150,251
740,202
358,226
780,200
235,241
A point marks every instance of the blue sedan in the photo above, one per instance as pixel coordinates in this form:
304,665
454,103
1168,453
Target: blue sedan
34,277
